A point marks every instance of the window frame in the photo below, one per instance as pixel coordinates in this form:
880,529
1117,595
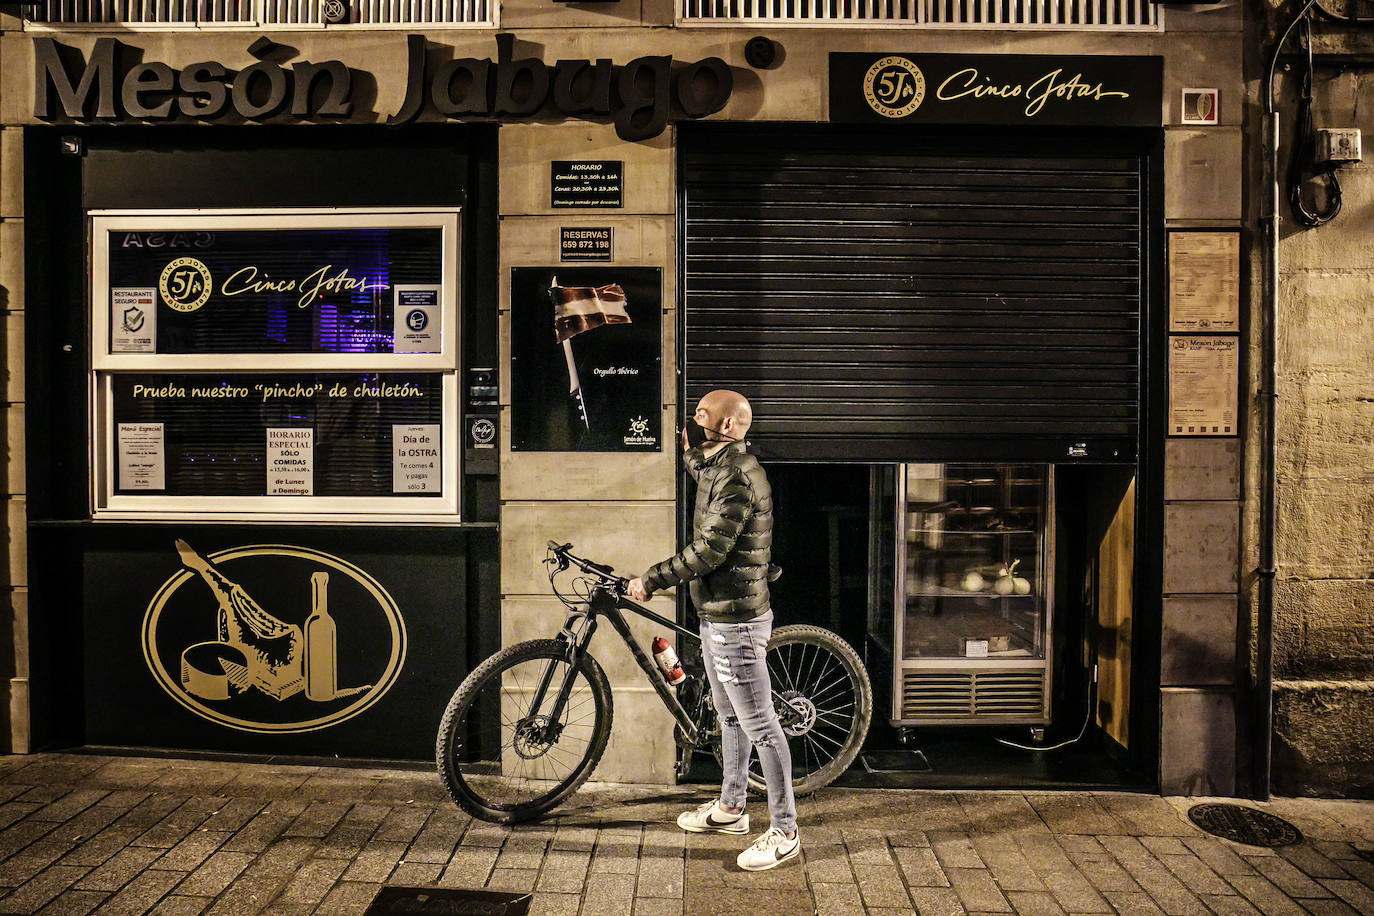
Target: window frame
107,505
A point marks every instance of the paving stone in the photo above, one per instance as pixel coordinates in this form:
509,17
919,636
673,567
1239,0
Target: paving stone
1218,856
837,899
283,857
123,799
233,814
658,906
977,891
1076,813
769,902
574,838
1133,903
1146,815
937,901
1044,853
317,819
438,837
919,867
150,811
22,834
881,885
565,871
513,879
1231,905
1195,874
908,838
248,893
338,786
1082,849
255,835
1164,845
1034,903
267,783
192,851
1009,867
375,863
481,833
119,870
1352,892
1074,893
469,867
35,893
18,869
217,873
658,878
416,874
69,805
312,881
402,825
1311,862
99,848
140,894
616,852
828,864
199,776
352,832
1360,870
555,904
1109,876
526,852
45,793
1154,877
177,905
1287,877
1265,896
1330,906
609,893
348,898
84,825
954,850
866,846
995,813
185,818
1336,850
74,903
15,811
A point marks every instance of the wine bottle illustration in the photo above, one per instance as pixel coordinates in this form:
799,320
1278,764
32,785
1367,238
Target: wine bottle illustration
321,643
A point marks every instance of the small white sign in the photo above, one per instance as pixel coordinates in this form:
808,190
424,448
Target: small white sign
133,320
290,461
975,648
417,319
141,461
415,460
1199,106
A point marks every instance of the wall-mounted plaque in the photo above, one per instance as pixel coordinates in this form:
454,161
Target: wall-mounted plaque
591,184
1203,378
1204,281
584,243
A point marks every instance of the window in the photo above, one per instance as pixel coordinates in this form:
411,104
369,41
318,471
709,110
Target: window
296,365
186,14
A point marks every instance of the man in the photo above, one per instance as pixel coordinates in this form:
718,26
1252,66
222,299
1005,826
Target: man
726,565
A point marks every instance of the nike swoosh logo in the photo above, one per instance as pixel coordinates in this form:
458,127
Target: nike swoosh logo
711,821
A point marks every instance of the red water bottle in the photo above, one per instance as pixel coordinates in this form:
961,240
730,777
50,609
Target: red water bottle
668,662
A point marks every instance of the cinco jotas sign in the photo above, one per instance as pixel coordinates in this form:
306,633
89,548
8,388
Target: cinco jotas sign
115,85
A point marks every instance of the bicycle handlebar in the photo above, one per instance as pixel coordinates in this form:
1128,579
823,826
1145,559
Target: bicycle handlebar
563,555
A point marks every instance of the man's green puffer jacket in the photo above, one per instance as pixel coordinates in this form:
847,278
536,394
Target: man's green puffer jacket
732,528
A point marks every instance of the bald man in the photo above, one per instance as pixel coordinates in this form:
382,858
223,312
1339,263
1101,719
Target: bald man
726,570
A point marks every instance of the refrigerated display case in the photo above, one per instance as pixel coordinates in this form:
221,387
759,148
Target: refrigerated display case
974,594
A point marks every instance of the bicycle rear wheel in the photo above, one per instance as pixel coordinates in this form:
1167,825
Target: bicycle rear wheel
825,683
501,755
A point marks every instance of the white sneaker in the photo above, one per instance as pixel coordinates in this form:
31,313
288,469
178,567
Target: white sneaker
712,818
770,850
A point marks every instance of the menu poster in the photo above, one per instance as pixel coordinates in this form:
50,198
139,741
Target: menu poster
141,457
290,461
1204,281
415,462
416,316
133,320
1203,380
586,351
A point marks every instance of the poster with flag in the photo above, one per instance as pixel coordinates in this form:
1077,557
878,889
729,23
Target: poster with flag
586,359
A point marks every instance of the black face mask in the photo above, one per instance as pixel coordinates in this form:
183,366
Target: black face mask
696,434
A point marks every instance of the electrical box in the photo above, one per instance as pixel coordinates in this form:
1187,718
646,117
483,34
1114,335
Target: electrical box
1338,145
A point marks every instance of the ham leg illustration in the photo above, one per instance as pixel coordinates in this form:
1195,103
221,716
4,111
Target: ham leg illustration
577,309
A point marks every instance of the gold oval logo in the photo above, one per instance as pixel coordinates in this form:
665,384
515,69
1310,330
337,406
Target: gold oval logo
273,638
185,284
894,87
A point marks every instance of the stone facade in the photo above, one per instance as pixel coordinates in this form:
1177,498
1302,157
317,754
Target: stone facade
622,507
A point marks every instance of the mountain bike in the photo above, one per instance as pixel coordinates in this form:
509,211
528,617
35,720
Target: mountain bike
528,726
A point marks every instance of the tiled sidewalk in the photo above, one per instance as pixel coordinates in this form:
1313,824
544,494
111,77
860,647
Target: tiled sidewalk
82,834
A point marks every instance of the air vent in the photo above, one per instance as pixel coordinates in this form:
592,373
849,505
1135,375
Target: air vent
1115,15
196,13
930,697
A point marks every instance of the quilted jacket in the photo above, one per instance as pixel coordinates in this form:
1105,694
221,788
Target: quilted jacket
726,564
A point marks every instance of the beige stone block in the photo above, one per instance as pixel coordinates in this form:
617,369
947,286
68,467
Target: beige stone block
1320,319
14,454
1202,469
14,357
1197,742
632,536
1323,528
589,475
641,749
534,14
19,609
18,521
1323,740
635,240
1205,60
527,150
1346,243
1199,641
11,264
1201,547
1213,20
526,618
19,715
1326,425
11,173
1324,628
1202,173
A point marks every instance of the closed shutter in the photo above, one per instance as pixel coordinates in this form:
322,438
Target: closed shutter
880,298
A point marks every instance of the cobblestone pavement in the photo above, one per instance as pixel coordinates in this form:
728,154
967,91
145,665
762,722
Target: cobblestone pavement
129,835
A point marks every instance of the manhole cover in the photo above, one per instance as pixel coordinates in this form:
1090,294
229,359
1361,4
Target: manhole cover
1244,825
448,900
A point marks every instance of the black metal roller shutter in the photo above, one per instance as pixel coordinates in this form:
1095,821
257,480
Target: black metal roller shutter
879,298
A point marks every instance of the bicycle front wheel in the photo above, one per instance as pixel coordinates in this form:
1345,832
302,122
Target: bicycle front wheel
503,754
826,687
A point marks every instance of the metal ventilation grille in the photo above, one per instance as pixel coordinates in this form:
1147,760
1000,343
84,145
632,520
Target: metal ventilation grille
1076,14
264,12
934,696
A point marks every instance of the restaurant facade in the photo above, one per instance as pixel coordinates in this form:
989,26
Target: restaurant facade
291,421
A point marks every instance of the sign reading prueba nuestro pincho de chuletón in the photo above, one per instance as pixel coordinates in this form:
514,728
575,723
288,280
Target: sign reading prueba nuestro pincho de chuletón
997,89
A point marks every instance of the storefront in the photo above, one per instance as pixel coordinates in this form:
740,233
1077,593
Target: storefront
310,417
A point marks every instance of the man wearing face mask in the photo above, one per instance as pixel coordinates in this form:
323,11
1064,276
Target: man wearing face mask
726,569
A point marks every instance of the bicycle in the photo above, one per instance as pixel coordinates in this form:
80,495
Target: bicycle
528,726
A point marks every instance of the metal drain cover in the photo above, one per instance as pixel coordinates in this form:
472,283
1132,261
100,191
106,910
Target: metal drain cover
1244,825
448,900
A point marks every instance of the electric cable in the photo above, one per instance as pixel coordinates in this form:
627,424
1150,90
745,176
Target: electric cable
1303,167
1087,717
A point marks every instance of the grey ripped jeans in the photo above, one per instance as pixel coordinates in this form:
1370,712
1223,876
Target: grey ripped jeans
735,667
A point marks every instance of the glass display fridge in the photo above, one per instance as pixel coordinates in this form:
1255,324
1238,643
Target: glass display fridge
974,594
